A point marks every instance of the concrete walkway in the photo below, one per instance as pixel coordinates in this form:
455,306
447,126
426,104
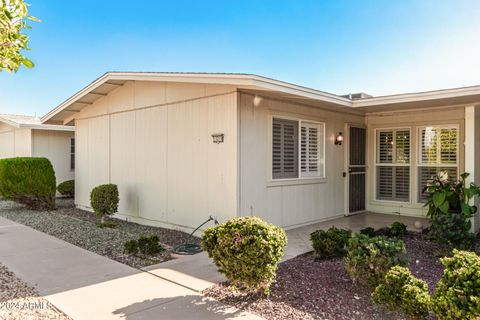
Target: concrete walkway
87,286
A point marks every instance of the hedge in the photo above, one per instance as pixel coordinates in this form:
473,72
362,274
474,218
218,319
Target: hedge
29,181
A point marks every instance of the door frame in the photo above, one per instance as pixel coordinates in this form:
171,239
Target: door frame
346,164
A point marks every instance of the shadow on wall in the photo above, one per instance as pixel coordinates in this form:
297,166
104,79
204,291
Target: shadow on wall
190,307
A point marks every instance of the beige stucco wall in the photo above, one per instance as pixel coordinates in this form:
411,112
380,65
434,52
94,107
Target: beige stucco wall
54,145
14,142
154,141
296,202
413,120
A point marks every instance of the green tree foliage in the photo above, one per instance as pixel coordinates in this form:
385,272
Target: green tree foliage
13,22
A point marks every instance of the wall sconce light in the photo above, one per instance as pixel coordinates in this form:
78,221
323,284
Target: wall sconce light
339,139
218,137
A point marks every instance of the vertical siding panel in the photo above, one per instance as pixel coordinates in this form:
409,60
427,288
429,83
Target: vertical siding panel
122,165
151,163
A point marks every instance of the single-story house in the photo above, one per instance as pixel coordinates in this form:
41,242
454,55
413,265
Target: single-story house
26,136
184,146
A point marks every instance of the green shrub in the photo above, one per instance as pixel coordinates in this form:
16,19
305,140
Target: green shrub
401,291
104,200
458,292
67,188
131,246
452,230
247,250
149,245
398,229
369,259
330,243
450,209
368,231
29,181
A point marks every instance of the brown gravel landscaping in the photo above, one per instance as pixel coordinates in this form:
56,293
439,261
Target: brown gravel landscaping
310,289
20,301
79,227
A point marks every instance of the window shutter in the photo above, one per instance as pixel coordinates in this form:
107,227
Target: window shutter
402,183
384,183
393,183
311,150
429,145
402,146
448,146
385,147
284,149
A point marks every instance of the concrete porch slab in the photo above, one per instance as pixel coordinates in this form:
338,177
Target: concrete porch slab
299,238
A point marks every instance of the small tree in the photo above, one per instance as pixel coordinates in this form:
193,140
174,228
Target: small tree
104,200
13,21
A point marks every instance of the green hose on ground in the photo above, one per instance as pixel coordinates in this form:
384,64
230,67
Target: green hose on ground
188,248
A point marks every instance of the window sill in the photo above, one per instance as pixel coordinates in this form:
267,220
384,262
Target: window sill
294,182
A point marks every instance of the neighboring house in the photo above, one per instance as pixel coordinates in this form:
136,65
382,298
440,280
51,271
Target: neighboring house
183,146
25,136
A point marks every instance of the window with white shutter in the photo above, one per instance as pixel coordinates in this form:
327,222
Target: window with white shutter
284,149
393,165
297,149
311,149
438,149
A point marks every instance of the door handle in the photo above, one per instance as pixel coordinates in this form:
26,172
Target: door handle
344,174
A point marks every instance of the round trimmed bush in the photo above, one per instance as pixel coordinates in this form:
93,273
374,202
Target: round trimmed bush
401,291
104,200
67,188
29,181
330,243
369,259
247,250
458,292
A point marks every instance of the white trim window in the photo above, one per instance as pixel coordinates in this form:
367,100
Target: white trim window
297,149
392,165
438,151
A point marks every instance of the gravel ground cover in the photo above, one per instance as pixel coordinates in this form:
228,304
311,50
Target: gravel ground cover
310,289
78,227
20,301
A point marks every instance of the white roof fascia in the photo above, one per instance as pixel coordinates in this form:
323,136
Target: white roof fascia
416,97
240,80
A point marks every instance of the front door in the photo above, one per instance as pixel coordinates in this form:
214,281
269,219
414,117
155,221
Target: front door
356,169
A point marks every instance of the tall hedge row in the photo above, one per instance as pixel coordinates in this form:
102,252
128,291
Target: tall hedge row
30,181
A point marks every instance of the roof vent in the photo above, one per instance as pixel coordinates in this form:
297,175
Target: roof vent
356,96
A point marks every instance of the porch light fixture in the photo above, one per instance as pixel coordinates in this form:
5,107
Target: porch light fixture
218,137
339,139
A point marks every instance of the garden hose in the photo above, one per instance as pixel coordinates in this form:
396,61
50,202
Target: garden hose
188,248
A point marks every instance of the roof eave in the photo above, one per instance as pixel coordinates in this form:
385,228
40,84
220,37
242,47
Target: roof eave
239,80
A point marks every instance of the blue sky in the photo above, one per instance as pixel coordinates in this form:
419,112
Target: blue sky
379,47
